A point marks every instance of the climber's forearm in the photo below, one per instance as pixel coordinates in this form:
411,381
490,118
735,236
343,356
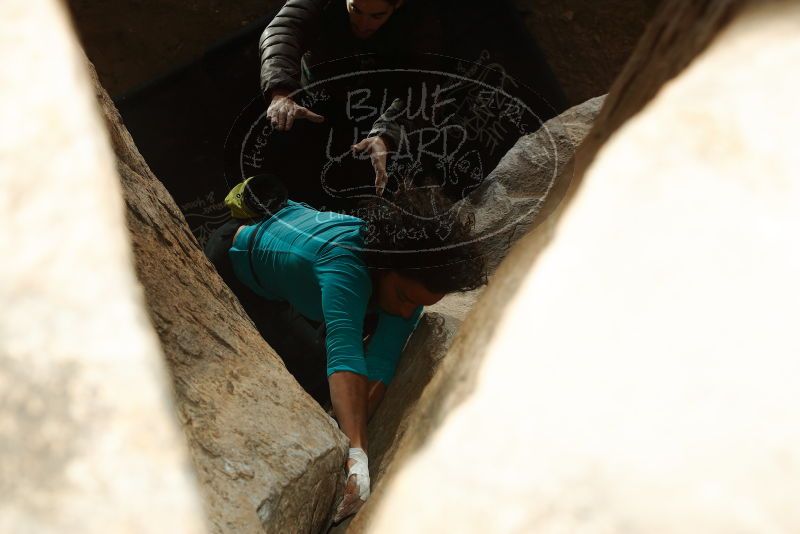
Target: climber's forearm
349,399
377,390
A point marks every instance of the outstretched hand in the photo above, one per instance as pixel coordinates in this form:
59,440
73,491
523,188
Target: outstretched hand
283,111
377,150
356,490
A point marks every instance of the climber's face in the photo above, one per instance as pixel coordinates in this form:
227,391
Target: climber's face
399,295
367,16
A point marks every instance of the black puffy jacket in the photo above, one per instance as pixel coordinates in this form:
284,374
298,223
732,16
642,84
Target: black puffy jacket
306,38
308,33
284,41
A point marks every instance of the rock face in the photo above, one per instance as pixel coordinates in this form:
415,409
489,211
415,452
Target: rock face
636,370
133,41
587,43
268,457
538,167
88,437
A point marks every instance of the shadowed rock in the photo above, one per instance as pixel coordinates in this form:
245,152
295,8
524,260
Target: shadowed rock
538,167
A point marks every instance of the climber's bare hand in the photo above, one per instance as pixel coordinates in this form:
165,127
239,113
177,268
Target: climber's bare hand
283,111
376,149
351,502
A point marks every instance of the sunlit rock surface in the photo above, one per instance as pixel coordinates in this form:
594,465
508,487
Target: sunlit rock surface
89,441
640,369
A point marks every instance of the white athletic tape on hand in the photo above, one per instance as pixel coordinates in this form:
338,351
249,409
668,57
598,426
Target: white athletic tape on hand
360,468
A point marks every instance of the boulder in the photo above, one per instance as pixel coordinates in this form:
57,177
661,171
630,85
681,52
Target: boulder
635,367
538,167
456,305
268,457
89,441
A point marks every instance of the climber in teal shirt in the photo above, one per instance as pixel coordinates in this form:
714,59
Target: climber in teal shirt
293,268
313,260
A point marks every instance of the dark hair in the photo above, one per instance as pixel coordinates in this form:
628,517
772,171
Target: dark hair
422,235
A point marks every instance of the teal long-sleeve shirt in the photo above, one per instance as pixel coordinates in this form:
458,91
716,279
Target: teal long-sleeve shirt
311,259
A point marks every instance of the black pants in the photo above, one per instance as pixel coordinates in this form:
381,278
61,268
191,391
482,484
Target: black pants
299,342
